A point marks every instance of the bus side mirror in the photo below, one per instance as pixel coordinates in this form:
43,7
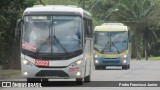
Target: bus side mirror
18,28
130,35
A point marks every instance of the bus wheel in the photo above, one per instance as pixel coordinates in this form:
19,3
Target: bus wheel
87,78
125,67
45,80
128,66
79,81
33,80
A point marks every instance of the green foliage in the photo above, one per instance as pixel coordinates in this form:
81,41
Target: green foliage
154,58
154,18
134,10
142,16
59,2
136,14
11,10
99,9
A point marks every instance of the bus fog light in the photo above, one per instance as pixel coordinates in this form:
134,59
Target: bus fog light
96,61
124,61
78,73
25,73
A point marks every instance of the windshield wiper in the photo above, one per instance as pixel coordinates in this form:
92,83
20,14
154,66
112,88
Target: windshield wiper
115,47
41,45
96,48
102,51
60,44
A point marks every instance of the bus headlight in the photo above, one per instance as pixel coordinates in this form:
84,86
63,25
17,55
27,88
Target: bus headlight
26,62
96,61
78,62
125,56
96,56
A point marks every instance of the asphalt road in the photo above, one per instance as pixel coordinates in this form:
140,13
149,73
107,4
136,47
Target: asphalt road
148,71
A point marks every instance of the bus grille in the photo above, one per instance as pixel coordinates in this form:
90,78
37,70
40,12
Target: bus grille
110,61
58,73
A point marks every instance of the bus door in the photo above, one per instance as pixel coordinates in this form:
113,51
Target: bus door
88,46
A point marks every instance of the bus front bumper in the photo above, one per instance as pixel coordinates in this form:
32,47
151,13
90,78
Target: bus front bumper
110,62
32,71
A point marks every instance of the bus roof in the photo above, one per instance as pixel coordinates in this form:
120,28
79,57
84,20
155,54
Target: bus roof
111,27
55,8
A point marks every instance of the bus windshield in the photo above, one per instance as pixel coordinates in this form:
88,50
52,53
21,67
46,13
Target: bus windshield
108,42
52,34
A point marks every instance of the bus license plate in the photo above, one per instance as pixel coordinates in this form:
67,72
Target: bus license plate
41,62
73,69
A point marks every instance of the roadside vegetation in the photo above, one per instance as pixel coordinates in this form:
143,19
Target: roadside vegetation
142,16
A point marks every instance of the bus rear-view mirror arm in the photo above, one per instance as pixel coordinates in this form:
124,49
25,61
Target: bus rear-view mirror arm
18,29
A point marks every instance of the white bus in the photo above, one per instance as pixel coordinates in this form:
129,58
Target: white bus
56,43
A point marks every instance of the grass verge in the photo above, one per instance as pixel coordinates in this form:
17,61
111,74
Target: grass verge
150,58
154,58
10,74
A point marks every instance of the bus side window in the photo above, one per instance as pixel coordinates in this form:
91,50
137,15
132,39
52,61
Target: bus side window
130,35
90,28
87,28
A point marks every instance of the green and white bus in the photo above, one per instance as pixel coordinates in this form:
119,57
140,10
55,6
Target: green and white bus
47,50
112,46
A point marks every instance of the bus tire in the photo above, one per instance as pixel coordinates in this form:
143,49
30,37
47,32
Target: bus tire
45,80
87,78
33,80
79,81
125,67
128,66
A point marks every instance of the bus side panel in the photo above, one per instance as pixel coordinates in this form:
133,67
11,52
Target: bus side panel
92,57
87,56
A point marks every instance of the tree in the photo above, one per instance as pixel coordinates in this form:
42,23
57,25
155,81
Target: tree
136,13
155,26
98,8
59,2
10,12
